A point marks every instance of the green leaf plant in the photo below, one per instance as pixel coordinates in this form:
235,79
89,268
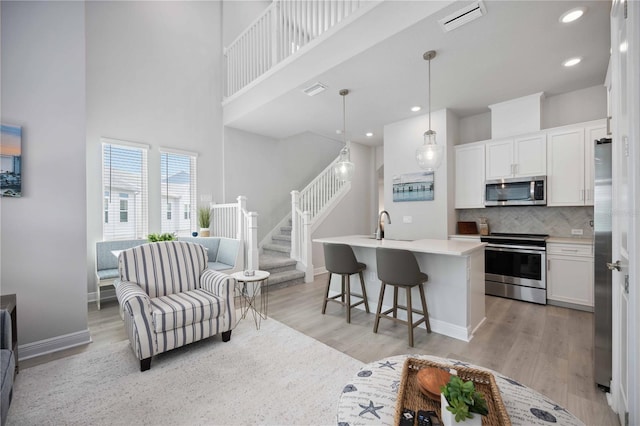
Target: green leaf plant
154,238
463,399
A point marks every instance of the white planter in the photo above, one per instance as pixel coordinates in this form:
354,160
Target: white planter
448,419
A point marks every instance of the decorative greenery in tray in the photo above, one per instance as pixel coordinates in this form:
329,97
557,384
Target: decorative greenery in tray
204,217
463,399
154,238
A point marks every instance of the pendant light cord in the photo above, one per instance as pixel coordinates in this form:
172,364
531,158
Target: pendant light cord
429,92
344,119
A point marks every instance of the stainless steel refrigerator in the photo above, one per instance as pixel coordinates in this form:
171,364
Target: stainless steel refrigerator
602,255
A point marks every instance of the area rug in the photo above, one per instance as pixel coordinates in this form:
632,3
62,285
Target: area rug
271,376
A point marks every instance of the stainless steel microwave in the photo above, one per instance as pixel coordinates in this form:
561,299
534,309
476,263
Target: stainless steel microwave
529,191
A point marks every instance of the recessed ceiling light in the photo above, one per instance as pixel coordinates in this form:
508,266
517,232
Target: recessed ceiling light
571,62
369,134
572,15
416,108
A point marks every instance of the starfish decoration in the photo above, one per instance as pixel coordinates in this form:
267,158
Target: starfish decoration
387,364
463,364
395,385
370,409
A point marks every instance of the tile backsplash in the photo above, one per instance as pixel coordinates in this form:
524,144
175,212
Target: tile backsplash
555,221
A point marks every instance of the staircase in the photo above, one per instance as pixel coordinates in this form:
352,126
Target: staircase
276,259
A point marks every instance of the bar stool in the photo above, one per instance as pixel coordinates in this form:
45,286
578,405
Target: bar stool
399,268
339,259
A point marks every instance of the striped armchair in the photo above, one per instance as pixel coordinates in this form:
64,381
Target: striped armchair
169,298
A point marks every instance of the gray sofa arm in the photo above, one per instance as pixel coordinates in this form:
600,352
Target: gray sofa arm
5,330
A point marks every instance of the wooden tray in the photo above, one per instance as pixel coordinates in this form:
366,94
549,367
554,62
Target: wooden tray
467,228
409,395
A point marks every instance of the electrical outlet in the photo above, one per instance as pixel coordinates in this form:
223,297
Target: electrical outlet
576,232
407,219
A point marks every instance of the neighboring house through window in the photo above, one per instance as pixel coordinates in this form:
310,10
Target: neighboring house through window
178,190
125,189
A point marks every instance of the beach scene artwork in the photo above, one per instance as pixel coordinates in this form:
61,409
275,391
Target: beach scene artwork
10,160
416,186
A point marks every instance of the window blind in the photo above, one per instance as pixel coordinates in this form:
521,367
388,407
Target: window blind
125,189
178,192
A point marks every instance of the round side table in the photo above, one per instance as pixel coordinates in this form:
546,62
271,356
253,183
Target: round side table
252,287
370,397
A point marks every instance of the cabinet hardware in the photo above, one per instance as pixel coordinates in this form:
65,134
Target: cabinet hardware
548,264
570,250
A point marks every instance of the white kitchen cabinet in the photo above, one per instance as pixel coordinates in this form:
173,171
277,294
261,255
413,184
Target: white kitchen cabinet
517,157
469,183
570,164
570,275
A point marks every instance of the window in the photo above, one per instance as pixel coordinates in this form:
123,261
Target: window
124,208
178,188
124,182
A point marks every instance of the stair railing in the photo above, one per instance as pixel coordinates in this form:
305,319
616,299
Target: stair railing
282,29
232,220
307,207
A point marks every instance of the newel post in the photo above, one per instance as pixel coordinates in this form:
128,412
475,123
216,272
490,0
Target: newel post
295,199
242,207
252,241
308,247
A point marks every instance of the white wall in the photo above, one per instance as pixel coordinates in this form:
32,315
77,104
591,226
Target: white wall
574,107
44,233
266,170
356,213
430,219
559,110
238,15
153,76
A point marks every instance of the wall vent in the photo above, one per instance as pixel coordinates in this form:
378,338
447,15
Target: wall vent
314,89
463,16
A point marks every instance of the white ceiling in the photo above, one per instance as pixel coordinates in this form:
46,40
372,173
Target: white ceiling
516,49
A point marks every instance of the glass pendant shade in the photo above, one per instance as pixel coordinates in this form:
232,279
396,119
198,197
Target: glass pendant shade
343,169
429,155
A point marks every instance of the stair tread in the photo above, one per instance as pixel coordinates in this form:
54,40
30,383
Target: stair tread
267,262
277,247
281,238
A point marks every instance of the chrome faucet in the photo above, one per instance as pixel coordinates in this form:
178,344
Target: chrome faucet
380,230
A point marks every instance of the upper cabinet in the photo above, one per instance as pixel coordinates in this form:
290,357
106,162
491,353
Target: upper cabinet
469,182
516,157
570,164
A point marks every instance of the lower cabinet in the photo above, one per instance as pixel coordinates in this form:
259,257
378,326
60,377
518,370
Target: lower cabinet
570,275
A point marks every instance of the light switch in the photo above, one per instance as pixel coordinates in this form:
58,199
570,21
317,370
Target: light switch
407,219
576,232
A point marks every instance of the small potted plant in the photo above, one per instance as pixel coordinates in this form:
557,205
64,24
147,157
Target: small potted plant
458,400
154,238
204,220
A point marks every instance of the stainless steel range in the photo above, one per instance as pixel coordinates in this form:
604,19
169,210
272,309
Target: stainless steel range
515,266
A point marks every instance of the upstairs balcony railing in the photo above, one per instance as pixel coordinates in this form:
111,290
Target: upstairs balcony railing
283,28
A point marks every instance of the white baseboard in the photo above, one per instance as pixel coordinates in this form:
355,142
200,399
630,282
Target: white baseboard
106,295
319,271
54,344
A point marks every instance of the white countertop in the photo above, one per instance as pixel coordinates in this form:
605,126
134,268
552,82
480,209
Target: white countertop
447,247
570,240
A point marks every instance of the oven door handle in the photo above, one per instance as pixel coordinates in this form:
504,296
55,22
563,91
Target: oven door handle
513,249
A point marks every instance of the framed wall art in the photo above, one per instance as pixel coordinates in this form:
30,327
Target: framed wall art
416,186
10,160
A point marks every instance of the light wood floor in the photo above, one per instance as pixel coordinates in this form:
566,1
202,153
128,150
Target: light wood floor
547,348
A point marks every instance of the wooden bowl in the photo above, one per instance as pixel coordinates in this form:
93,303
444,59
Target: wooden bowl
430,379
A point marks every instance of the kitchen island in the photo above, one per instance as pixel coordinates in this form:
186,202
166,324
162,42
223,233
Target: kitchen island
455,290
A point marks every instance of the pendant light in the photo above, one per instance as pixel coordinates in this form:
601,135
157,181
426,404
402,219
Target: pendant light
429,155
344,167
